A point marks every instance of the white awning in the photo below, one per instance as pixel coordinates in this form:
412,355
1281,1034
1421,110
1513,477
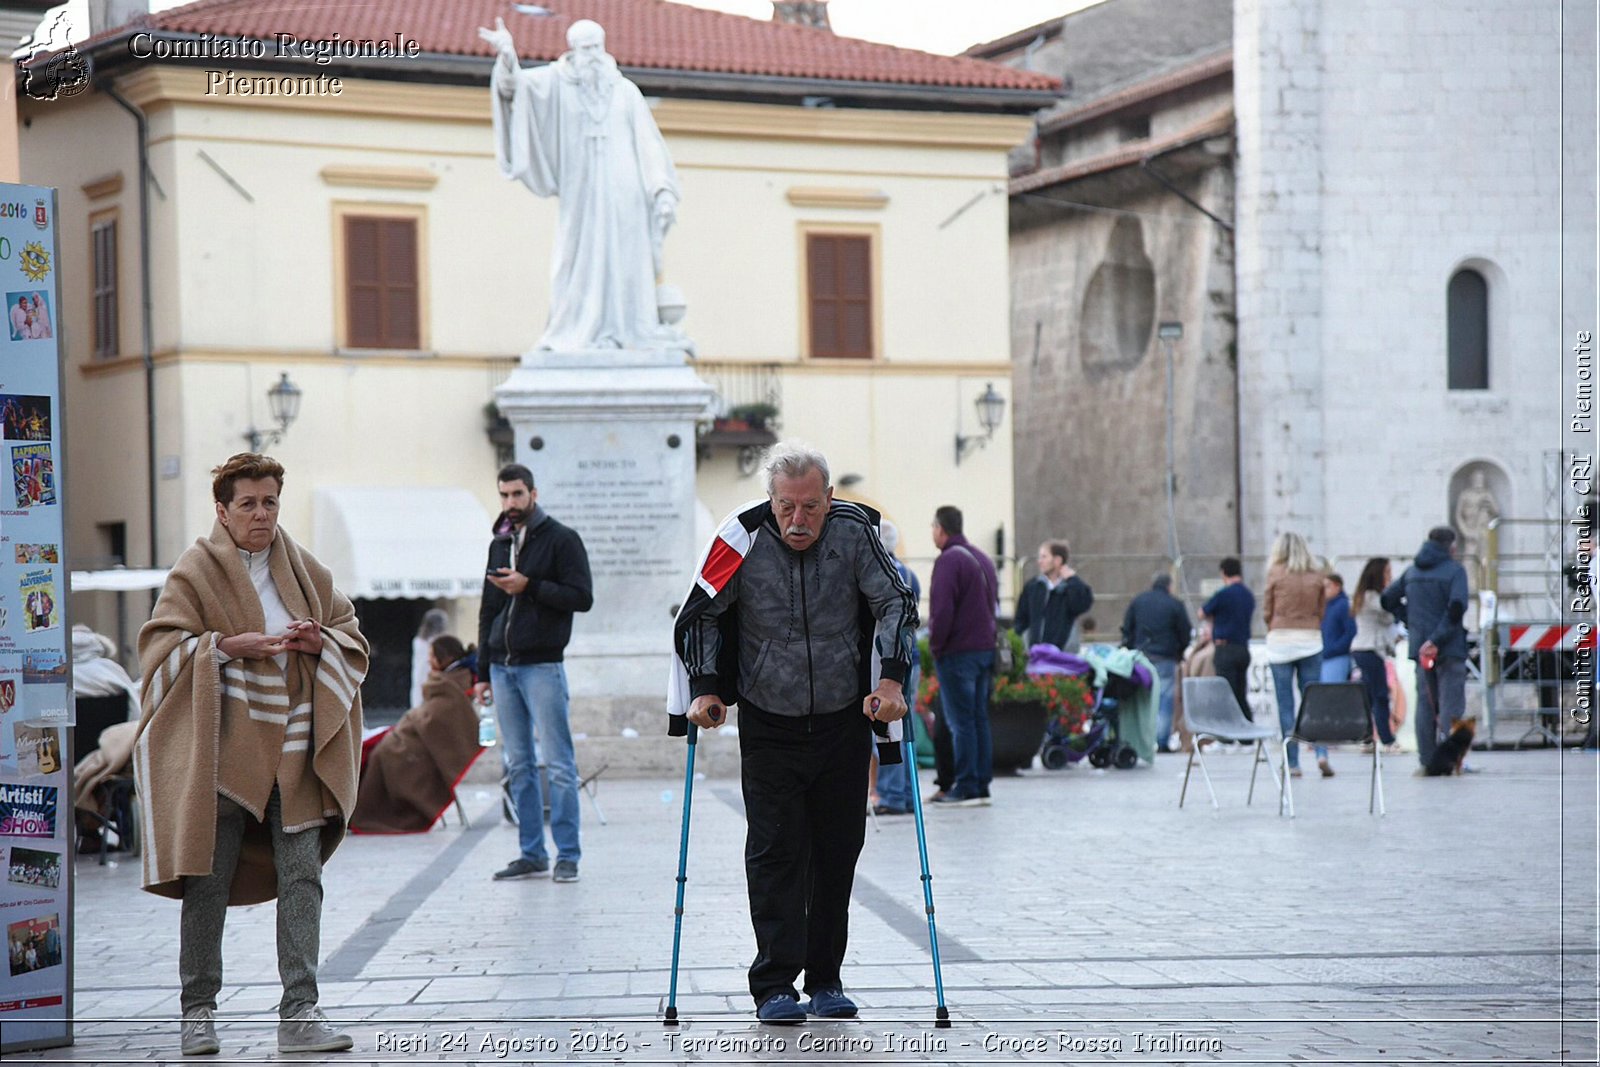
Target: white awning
116,580
400,541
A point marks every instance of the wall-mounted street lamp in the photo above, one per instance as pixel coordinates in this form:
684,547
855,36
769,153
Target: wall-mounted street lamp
283,400
991,409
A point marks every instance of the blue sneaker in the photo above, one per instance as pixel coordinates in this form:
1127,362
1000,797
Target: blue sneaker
831,1004
781,1009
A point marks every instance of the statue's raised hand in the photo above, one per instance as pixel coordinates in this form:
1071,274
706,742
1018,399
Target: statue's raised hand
500,39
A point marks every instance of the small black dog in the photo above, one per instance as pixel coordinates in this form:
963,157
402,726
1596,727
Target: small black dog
1452,751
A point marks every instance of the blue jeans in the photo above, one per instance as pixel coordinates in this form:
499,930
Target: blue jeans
1375,676
895,780
964,682
526,697
1336,668
1167,671
1309,669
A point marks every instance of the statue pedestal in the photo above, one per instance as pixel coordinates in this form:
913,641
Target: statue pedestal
610,438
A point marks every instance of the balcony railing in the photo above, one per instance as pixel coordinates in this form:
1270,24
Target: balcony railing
742,385
748,409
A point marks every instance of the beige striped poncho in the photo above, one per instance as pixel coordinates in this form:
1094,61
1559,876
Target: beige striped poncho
240,726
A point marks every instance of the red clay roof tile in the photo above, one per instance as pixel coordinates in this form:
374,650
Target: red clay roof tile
639,33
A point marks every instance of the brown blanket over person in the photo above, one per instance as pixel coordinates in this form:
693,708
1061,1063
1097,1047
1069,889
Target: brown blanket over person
183,756
1199,663
110,759
411,776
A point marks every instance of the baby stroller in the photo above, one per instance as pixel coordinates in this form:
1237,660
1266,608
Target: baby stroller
1100,741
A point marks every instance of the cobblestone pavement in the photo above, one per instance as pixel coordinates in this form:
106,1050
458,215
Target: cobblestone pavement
1084,918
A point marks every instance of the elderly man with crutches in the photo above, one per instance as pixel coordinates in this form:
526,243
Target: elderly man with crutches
798,614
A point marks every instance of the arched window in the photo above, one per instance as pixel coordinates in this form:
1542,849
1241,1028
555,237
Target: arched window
1467,326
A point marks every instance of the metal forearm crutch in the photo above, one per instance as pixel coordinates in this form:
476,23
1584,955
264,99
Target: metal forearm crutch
908,753
671,1018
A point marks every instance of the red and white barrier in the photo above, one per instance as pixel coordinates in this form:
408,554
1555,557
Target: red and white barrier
1540,638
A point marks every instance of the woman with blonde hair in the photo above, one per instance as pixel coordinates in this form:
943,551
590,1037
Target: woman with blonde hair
1292,606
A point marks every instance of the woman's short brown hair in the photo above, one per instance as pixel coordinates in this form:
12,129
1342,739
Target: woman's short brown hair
250,465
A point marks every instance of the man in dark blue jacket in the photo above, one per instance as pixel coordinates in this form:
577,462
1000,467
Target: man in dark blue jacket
1229,611
538,576
1431,599
1338,630
1157,624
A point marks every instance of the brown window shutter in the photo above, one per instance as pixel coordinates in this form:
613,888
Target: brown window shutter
104,244
855,297
839,276
381,288
401,322
363,284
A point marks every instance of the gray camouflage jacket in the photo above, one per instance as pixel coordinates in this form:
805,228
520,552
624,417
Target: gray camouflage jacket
801,615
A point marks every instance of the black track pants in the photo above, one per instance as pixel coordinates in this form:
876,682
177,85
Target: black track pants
805,799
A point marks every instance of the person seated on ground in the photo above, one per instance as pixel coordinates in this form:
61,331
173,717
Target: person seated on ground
411,774
1199,661
96,672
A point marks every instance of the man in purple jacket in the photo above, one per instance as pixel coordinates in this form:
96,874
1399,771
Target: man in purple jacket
961,623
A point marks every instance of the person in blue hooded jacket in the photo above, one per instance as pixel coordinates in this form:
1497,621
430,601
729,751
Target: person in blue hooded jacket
1431,599
1338,630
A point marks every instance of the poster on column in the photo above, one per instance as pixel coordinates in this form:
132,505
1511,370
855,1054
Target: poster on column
35,693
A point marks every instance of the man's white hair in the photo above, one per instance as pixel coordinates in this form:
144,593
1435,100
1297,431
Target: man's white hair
791,459
889,534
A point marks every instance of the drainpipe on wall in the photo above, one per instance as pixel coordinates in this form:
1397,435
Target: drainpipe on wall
147,327
1147,164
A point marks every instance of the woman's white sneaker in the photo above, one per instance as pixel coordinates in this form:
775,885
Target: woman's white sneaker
199,1034
307,1030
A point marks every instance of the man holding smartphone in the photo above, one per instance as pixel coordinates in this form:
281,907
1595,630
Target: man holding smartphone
538,576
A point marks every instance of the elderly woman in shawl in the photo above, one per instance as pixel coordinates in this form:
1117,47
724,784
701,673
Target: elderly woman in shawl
411,776
248,744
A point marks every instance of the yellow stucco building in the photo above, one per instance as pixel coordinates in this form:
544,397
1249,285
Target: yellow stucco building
339,219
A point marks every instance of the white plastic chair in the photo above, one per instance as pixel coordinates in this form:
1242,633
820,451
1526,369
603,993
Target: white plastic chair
1210,710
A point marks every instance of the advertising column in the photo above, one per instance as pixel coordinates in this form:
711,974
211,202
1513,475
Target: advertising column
35,697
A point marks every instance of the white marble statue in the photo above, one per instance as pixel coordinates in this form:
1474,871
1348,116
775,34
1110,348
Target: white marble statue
1476,507
578,130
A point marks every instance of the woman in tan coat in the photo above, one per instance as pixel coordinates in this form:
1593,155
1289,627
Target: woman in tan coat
247,746
1292,606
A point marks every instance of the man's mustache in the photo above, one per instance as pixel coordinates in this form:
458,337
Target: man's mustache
797,531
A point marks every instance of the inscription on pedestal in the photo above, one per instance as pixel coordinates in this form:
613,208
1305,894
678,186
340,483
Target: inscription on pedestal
606,469
623,510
